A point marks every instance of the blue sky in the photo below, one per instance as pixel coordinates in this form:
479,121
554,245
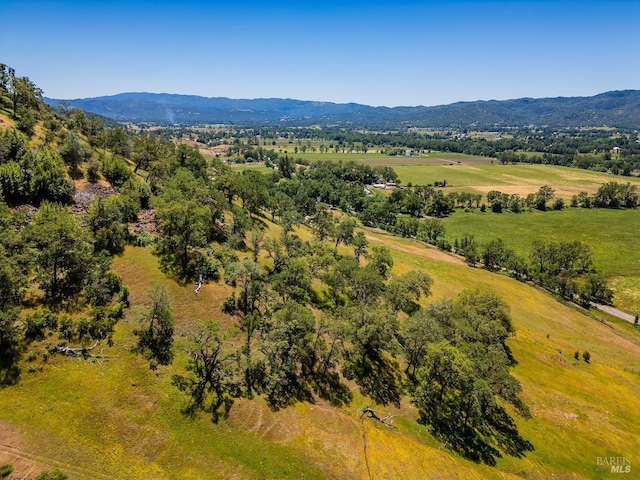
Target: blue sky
372,52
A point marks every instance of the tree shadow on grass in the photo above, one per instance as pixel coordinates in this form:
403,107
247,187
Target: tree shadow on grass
484,442
9,365
377,377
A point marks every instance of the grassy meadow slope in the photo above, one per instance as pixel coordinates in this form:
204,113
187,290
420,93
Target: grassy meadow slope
116,418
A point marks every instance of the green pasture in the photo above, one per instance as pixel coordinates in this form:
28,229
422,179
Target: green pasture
258,166
612,234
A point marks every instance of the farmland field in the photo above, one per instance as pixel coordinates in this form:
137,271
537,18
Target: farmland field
612,234
476,174
512,179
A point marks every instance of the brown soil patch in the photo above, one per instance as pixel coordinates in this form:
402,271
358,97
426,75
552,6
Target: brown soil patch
13,451
87,191
17,452
147,222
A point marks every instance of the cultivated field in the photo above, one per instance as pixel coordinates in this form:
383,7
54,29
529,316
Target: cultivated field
512,179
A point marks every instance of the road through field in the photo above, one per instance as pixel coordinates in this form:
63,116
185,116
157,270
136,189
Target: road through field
615,312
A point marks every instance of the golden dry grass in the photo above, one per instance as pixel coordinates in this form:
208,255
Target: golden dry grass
119,419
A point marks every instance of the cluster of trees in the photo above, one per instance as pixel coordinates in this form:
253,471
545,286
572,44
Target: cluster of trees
500,202
609,195
22,97
287,352
565,268
31,177
52,252
57,261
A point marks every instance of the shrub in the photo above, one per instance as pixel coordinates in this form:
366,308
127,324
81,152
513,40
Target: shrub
52,475
229,304
124,296
142,239
102,287
558,204
5,470
587,357
93,171
36,323
116,171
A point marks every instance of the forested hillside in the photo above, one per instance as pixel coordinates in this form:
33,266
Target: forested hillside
158,308
612,109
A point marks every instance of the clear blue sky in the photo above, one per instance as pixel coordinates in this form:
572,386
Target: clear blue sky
374,52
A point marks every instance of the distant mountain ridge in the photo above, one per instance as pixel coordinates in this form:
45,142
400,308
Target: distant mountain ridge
613,109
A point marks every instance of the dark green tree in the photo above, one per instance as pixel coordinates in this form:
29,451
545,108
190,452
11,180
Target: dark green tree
372,335
209,382
10,350
247,275
105,221
404,292
72,151
288,351
155,337
61,251
292,280
417,332
49,179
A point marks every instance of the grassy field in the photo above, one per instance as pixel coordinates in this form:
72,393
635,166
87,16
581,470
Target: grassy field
478,174
258,166
612,234
520,179
116,418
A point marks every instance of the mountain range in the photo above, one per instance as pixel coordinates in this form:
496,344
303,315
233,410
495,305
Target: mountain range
612,109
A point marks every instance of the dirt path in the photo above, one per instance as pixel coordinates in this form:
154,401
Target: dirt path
26,465
615,312
412,246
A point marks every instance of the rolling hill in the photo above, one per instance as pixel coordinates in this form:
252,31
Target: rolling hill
613,109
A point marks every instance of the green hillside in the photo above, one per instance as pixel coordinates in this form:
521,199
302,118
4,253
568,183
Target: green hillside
116,418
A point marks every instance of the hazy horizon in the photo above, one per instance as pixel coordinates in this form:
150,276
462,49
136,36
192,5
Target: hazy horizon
377,53
322,101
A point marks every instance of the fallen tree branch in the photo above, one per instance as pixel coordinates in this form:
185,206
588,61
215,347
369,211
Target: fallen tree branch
73,351
371,413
